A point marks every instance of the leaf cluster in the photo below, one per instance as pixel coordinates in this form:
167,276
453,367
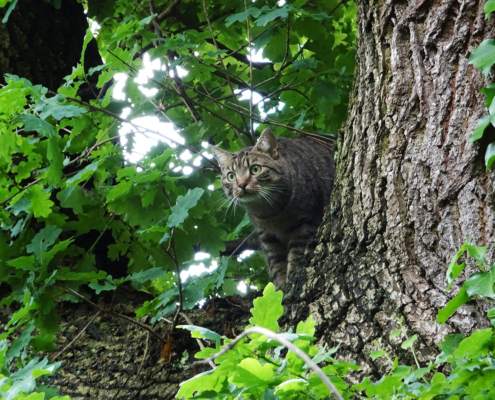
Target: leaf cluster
259,368
483,57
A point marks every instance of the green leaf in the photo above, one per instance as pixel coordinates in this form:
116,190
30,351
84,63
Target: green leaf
481,283
54,107
489,92
72,197
84,174
377,354
478,253
22,341
24,379
445,313
395,333
490,155
107,285
241,17
267,309
43,240
307,327
480,128
41,206
33,123
58,248
147,275
281,12
489,7
122,188
409,342
448,346
200,333
291,387
25,263
306,63
480,343
205,381
250,373
65,274
396,364
483,57
454,270
184,204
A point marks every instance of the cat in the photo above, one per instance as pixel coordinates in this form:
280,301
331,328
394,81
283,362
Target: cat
284,186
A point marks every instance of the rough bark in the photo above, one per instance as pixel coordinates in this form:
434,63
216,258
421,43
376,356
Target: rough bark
409,188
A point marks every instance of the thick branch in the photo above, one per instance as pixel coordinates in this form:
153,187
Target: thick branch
168,12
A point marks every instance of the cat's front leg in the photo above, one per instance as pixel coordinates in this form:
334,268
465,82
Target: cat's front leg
276,253
298,244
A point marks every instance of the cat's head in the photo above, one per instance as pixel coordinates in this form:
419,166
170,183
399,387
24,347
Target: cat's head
254,176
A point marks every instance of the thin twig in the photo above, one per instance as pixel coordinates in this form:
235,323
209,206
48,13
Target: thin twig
100,236
253,39
77,336
301,354
244,241
20,190
234,127
265,120
85,154
251,122
102,310
144,355
173,256
219,56
200,343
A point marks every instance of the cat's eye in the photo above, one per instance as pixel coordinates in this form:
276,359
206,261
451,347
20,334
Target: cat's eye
231,176
256,169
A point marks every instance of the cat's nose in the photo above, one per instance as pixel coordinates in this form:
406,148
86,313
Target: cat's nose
243,185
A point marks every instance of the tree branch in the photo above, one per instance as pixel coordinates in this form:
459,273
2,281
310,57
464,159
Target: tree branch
168,12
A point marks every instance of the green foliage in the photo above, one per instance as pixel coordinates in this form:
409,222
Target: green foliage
255,369
477,285
483,57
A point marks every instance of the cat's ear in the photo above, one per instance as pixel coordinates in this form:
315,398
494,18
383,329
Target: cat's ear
267,144
223,157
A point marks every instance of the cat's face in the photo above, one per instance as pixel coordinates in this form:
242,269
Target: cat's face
254,177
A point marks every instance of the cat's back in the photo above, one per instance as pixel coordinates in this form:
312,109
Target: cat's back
308,155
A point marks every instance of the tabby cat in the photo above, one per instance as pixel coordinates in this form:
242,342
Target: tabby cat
284,185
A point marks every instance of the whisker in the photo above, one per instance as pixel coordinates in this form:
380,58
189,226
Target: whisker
268,199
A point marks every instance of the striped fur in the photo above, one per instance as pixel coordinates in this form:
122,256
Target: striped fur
284,185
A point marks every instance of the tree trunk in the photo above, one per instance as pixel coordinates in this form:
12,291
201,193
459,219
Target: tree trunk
409,188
